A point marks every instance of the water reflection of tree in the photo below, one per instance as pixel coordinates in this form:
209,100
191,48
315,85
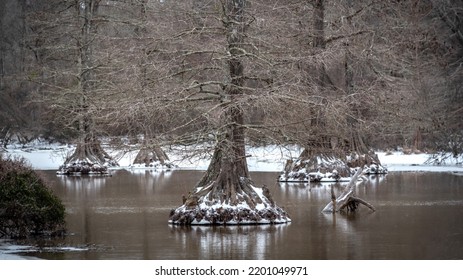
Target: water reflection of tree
230,242
147,179
345,238
83,185
316,191
375,180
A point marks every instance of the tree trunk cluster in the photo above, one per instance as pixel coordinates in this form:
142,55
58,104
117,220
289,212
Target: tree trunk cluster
327,166
316,167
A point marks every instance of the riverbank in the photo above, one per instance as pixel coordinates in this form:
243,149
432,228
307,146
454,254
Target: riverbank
9,251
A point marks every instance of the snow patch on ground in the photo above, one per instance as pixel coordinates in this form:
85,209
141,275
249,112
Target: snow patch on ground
399,161
271,158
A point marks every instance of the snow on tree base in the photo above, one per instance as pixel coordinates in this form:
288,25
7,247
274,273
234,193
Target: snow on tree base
329,169
303,176
314,177
154,165
202,211
228,215
374,169
82,168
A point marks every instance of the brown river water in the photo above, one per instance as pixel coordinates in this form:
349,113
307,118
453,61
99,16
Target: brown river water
419,216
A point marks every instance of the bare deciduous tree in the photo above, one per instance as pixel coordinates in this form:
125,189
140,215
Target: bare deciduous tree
226,194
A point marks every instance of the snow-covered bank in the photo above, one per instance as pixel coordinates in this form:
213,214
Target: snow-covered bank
399,161
10,251
268,158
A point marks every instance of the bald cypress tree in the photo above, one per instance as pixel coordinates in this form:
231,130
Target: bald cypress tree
226,193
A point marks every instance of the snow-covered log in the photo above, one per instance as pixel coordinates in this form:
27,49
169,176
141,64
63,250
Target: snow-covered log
347,200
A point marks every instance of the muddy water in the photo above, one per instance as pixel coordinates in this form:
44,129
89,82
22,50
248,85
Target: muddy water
419,216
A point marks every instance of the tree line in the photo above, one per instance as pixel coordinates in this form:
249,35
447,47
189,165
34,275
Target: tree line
347,75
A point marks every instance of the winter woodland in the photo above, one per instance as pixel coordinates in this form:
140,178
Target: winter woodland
338,79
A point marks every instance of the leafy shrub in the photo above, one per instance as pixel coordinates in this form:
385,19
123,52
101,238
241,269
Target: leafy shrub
27,205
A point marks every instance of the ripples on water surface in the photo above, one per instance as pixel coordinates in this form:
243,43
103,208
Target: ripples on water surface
125,217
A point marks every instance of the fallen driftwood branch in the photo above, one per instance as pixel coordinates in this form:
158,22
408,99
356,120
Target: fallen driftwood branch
352,204
347,200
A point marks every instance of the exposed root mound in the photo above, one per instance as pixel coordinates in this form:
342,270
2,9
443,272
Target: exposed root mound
251,205
374,169
316,169
82,168
154,158
228,214
330,168
89,158
370,161
154,164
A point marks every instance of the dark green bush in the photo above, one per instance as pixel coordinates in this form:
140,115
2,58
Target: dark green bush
27,205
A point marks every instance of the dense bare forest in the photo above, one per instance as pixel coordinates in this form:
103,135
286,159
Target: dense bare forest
346,74
335,77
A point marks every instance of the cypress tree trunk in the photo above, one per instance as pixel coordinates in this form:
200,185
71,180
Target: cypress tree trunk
331,158
151,154
321,159
357,150
89,156
226,194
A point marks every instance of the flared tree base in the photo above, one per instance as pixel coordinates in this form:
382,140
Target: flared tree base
89,158
228,215
152,159
253,206
323,168
316,169
369,161
82,168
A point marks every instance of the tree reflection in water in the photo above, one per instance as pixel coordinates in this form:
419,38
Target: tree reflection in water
230,242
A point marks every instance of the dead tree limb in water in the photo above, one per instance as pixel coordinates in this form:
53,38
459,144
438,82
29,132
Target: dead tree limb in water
347,200
352,204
